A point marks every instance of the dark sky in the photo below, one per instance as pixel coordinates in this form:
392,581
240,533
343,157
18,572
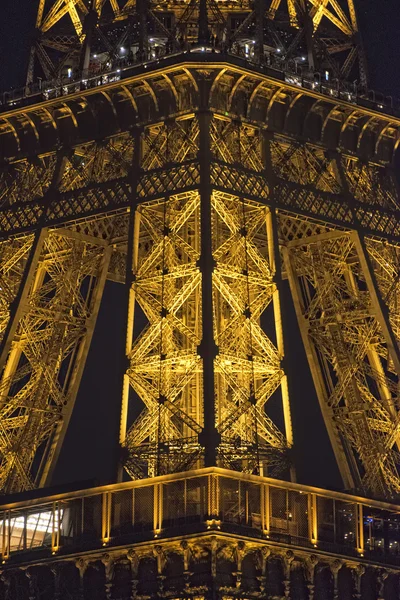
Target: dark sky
89,449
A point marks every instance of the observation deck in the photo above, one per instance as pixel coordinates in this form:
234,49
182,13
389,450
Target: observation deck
211,508
292,72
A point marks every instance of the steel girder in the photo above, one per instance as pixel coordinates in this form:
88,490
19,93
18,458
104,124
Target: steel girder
46,339
165,363
68,217
325,33
352,351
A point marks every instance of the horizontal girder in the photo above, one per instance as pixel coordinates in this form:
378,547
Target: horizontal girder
334,121
92,131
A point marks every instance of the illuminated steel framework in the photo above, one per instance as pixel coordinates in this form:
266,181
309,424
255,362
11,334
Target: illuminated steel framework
203,186
88,36
206,181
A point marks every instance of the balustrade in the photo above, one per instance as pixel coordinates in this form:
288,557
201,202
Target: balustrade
206,499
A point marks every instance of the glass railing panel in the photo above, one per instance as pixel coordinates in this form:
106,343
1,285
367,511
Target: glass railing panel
297,516
231,502
288,516
174,502
184,501
326,520
143,508
251,494
91,529
27,529
122,513
240,503
281,524
382,535
69,514
196,494
345,524
393,528
336,525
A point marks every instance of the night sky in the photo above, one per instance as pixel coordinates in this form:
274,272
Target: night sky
89,451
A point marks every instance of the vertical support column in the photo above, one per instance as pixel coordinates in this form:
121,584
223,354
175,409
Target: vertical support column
213,498
265,509
209,437
81,565
88,29
313,518
309,37
275,264
106,517
55,527
335,567
108,563
3,533
158,508
141,7
204,33
56,569
260,8
360,528
276,268
32,577
6,534
133,238
131,264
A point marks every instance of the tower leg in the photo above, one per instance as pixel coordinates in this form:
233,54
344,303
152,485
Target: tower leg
352,352
48,341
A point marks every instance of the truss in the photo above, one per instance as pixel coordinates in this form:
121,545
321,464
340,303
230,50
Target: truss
324,33
49,336
166,369
350,353
194,186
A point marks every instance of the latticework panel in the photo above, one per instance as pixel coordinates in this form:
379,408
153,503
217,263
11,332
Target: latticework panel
248,365
14,254
385,262
348,341
51,332
165,369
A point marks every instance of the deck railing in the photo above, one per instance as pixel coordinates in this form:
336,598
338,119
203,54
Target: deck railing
292,72
196,501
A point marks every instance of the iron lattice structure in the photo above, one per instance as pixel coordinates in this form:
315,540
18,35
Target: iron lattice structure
167,360
87,35
206,185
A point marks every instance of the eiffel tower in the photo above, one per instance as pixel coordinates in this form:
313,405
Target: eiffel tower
210,156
